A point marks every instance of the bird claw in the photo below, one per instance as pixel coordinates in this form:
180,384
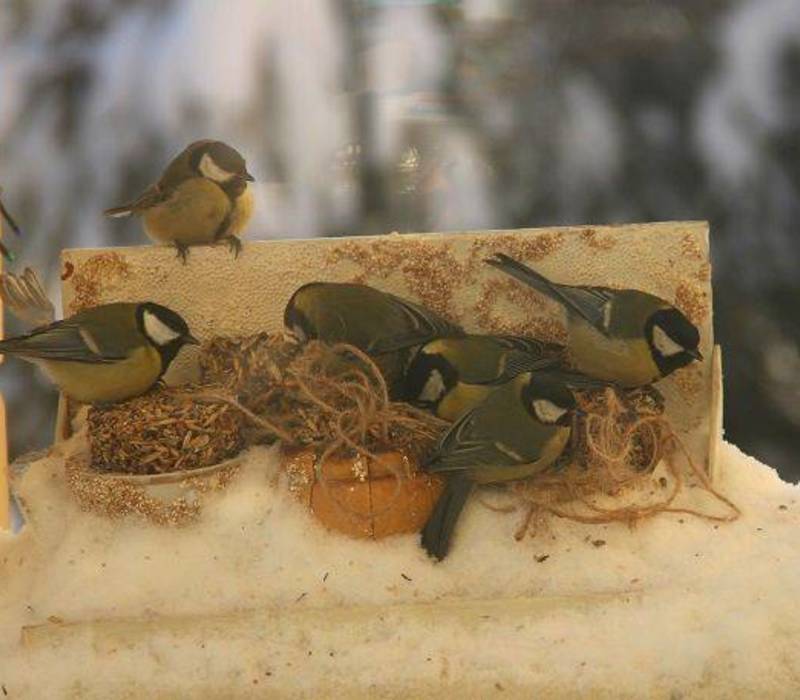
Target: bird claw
234,245
183,252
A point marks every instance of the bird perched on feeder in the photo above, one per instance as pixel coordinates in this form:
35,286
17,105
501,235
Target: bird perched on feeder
451,375
519,430
622,335
202,197
382,325
107,353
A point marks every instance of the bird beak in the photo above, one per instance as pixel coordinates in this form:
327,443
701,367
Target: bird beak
579,413
191,340
248,177
695,354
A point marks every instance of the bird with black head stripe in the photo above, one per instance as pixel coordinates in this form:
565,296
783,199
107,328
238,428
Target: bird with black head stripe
202,197
383,325
519,430
624,336
107,353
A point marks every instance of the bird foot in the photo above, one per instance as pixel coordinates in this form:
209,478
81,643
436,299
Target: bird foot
183,252
234,245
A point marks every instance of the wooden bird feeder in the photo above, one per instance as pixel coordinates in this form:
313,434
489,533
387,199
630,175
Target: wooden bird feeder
220,295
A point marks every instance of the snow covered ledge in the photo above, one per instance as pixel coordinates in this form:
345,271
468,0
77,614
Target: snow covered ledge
256,599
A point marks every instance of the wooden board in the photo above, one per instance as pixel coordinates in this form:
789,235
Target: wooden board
220,295
5,515
715,419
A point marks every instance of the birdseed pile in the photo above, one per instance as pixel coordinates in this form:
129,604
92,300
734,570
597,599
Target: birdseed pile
163,431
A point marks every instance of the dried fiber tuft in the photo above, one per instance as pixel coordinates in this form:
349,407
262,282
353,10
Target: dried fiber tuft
333,398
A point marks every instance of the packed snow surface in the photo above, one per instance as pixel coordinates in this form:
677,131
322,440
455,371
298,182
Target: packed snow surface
258,599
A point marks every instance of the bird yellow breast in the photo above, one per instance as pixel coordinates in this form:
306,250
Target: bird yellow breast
627,361
99,383
550,453
242,211
191,215
461,398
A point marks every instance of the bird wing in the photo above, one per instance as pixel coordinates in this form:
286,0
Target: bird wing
591,303
86,337
26,298
151,197
458,450
517,363
424,324
532,355
525,355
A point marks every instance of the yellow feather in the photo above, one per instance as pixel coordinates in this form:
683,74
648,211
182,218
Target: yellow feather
190,216
627,361
114,381
242,212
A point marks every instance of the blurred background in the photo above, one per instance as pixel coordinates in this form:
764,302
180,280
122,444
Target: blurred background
367,116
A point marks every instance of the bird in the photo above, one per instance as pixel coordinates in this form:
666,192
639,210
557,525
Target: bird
202,197
625,336
519,430
380,324
451,375
107,353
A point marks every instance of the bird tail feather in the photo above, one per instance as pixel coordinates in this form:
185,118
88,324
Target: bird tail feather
438,530
119,212
526,275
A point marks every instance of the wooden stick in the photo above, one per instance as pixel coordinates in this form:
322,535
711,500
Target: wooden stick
5,516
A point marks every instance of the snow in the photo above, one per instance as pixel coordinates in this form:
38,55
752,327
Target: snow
675,605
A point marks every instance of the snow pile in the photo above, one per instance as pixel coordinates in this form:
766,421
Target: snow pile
675,605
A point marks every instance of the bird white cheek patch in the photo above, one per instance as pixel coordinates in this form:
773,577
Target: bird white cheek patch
158,331
546,411
664,344
434,388
212,171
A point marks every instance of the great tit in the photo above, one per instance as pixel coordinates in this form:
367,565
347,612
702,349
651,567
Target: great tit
519,430
107,353
381,324
202,197
625,336
451,375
